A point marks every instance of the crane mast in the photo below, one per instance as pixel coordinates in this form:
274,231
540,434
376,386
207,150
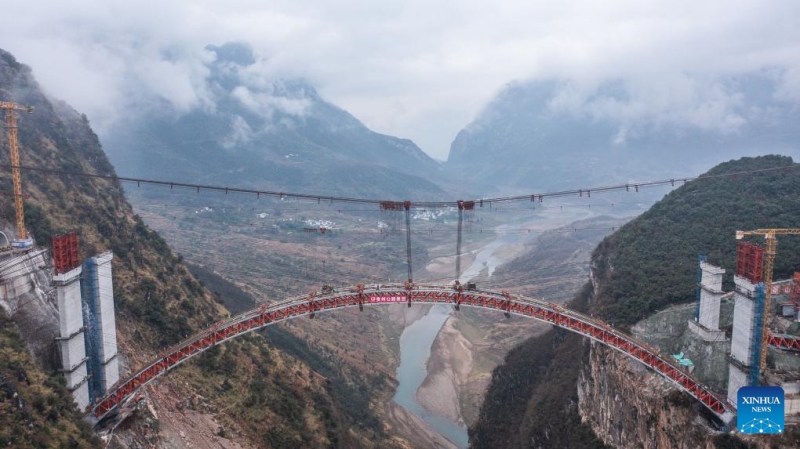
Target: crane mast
22,240
769,263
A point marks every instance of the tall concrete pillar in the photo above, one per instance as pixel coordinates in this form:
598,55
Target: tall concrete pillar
98,290
710,294
743,312
71,331
742,349
737,378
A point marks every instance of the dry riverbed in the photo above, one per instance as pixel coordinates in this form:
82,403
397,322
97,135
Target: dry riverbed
467,349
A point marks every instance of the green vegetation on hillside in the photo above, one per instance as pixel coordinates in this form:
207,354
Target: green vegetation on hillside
259,385
339,396
36,410
650,263
532,398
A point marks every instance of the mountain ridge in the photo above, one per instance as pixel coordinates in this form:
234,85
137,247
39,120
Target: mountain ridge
268,132
548,134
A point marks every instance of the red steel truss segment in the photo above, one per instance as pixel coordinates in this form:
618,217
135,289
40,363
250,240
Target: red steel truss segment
386,294
784,341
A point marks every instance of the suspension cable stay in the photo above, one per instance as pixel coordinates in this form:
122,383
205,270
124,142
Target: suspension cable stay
407,206
458,239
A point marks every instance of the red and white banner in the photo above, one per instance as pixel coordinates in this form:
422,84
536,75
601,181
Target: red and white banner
782,289
387,298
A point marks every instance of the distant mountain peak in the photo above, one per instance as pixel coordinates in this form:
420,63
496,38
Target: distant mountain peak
544,134
240,53
255,118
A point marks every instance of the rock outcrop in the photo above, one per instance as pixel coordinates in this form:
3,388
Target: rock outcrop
629,406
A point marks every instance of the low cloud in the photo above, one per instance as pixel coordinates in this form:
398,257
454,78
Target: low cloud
268,104
241,133
181,83
685,102
415,69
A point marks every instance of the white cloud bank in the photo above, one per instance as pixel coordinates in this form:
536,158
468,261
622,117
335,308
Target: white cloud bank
417,69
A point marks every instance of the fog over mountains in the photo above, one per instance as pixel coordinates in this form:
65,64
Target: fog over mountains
257,131
246,127
249,128
545,135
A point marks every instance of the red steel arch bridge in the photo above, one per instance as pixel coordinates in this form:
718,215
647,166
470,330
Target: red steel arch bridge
408,293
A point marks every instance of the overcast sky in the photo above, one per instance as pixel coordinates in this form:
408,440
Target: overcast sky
415,69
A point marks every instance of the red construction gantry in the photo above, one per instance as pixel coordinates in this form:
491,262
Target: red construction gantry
750,262
391,205
65,252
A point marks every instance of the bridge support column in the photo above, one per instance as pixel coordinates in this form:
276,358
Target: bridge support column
743,345
710,293
98,291
71,341
737,378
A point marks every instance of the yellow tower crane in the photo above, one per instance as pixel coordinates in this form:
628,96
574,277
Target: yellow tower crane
772,244
22,240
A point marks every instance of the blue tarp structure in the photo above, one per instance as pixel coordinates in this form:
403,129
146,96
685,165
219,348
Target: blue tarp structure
682,360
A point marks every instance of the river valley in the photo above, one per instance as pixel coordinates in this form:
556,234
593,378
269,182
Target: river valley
433,383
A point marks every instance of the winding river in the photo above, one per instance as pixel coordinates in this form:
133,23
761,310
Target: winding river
417,339
415,348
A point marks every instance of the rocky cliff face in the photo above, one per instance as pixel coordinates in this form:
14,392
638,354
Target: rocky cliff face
26,297
628,406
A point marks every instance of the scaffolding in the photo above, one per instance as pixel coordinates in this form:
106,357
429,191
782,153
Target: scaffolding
755,342
89,292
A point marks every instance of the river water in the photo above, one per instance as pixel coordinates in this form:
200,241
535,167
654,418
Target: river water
415,348
417,339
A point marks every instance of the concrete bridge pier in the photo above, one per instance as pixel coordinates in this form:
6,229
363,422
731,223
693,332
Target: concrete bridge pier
71,340
743,346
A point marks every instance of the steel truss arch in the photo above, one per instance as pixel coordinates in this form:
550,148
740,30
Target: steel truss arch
377,294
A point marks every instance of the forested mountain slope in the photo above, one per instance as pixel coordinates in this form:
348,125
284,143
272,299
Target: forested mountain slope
647,264
652,262
36,410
